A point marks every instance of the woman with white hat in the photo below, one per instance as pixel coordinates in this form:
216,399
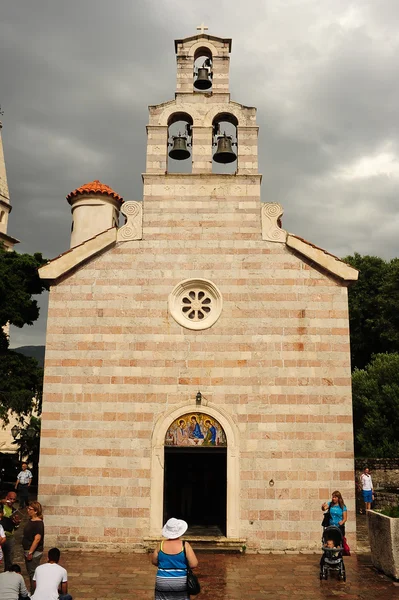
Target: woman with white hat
170,558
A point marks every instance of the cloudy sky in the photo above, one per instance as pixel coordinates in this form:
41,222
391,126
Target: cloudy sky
76,78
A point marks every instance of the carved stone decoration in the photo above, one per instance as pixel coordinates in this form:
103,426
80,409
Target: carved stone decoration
271,230
133,228
195,303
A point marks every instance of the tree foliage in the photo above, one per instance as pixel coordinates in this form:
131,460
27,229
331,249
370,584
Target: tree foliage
373,308
28,443
376,407
20,377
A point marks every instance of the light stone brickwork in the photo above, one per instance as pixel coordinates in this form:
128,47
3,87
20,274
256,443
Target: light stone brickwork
274,368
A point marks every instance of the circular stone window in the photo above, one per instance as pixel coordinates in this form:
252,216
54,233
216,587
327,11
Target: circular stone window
195,303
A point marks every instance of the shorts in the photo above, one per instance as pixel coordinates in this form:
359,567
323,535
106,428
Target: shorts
367,495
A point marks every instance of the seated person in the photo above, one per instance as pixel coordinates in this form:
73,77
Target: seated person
330,544
51,580
12,585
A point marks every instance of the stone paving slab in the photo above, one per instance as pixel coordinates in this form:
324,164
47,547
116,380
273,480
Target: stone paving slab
121,576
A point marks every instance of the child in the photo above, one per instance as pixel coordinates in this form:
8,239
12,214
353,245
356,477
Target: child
330,544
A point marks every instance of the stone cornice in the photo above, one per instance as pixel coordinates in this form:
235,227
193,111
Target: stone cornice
75,256
5,203
4,237
327,261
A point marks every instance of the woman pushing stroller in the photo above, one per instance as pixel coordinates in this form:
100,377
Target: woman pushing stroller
337,510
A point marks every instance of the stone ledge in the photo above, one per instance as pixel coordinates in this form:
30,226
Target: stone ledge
327,261
75,256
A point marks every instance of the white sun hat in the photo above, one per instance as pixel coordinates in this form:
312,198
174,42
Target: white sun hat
174,528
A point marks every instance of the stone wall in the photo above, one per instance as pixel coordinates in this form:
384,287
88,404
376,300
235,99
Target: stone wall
384,471
276,362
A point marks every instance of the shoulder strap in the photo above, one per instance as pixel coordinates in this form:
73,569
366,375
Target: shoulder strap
161,546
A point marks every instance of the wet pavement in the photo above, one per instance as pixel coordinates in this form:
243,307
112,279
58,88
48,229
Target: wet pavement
121,576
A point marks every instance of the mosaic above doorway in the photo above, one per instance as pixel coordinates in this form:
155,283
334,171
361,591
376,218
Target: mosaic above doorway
195,429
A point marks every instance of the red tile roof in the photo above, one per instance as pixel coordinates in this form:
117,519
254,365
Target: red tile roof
94,187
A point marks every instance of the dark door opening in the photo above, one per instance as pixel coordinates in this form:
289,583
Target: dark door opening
195,487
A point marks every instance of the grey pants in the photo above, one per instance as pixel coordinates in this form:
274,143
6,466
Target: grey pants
31,567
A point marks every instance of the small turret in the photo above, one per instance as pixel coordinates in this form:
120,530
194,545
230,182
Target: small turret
95,208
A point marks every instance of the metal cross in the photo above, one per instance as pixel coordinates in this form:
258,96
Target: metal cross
202,28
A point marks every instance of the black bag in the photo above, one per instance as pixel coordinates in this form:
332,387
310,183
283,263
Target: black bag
326,519
193,585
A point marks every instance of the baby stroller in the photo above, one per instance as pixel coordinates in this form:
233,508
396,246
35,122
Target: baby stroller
331,559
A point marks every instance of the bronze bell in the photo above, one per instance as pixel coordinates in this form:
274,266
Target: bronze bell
202,82
224,153
179,149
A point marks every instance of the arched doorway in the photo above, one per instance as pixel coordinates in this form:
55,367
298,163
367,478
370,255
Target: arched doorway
161,428
195,473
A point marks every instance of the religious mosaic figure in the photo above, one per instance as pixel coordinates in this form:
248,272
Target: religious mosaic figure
182,438
210,436
196,431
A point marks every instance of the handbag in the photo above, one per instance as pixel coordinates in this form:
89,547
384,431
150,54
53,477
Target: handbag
326,519
347,550
193,585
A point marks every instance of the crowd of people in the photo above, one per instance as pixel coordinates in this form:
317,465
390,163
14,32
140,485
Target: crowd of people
48,581
173,557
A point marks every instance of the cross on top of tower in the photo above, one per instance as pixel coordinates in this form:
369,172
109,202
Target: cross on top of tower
202,28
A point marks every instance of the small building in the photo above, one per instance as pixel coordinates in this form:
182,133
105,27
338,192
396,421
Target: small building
197,357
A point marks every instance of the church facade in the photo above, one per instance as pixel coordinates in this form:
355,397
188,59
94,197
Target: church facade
197,358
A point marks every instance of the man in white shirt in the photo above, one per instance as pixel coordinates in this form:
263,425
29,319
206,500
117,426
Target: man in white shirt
367,488
24,479
51,580
12,585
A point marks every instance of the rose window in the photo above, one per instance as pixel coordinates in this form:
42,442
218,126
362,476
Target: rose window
195,303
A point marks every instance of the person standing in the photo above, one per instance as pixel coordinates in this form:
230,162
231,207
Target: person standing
51,580
338,511
24,479
367,488
11,522
12,584
33,539
170,558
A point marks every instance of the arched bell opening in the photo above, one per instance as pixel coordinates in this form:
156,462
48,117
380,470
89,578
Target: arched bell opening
203,72
224,144
179,143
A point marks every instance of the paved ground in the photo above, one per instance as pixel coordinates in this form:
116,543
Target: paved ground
121,576
227,577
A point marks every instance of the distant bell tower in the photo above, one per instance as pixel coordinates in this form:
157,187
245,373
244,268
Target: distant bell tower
201,147
5,205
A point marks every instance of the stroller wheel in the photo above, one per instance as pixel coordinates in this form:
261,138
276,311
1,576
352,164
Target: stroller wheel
321,576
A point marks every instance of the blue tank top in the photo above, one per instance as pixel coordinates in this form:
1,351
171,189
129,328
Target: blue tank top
171,565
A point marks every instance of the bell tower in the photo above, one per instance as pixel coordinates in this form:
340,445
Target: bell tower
215,132
5,205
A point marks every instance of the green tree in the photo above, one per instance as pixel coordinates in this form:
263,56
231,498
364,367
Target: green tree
373,308
20,376
28,443
376,407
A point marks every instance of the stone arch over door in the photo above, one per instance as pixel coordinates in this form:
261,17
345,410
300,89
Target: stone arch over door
157,466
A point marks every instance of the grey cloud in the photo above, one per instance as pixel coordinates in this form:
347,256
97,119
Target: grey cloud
77,77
